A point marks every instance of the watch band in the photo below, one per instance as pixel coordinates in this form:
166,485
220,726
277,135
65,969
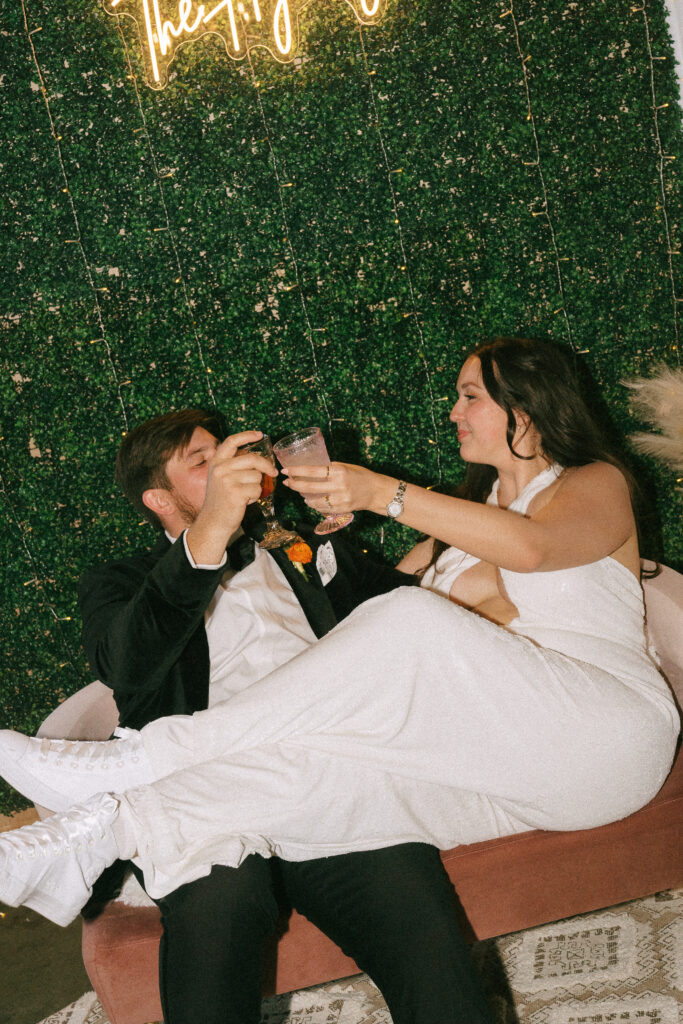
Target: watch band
395,506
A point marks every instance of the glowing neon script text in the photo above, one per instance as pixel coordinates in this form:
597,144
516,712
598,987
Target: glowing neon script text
164,25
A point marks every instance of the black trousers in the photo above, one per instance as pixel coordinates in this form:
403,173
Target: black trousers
392,911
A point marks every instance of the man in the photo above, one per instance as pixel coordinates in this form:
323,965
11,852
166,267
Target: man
200,616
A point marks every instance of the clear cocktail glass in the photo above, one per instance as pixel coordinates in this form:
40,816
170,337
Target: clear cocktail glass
307,448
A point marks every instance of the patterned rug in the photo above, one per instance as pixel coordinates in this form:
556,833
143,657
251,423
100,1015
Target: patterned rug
623,965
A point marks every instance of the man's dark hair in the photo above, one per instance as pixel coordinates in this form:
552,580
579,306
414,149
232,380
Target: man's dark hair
145,451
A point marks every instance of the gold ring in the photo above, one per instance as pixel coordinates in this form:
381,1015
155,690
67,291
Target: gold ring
327,474
327,500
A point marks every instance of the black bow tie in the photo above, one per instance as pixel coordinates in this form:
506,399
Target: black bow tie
241,553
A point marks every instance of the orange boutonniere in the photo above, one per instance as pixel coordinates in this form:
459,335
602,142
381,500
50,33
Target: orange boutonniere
300,552
300,555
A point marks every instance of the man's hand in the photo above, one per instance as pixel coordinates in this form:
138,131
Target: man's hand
234,481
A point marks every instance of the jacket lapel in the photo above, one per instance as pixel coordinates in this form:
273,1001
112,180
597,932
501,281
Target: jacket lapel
310,594
309,590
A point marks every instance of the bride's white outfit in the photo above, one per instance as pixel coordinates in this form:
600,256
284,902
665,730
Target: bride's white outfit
418,720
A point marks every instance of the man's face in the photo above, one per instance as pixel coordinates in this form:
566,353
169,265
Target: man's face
187,472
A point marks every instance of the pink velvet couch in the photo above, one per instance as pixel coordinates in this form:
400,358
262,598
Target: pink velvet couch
503,885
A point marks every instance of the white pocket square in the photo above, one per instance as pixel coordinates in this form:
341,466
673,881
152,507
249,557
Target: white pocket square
326,563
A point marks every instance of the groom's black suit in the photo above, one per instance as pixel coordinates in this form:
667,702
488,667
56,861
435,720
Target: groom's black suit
391,910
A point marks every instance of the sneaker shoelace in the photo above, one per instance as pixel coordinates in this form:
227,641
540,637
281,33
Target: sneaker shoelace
34,843
76,828
88,755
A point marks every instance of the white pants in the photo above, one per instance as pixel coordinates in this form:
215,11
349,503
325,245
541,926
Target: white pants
413,720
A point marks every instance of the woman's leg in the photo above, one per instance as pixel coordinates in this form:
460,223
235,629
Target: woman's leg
398,677
358,678
298,804
415,686
414,720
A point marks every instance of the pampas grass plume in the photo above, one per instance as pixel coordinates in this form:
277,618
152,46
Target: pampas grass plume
659,401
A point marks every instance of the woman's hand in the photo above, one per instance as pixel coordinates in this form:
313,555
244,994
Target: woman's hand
341,487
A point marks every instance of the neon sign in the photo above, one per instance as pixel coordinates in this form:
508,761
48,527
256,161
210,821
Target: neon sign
165,25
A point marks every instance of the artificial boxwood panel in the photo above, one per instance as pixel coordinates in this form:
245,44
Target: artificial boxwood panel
317,242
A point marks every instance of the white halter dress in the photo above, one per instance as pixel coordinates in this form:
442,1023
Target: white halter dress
418,720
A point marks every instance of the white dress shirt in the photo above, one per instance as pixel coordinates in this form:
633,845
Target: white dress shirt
254,623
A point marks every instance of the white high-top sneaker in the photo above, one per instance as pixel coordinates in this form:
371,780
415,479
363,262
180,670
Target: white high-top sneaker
51,866
59,773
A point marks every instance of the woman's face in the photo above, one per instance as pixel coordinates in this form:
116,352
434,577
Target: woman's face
482,424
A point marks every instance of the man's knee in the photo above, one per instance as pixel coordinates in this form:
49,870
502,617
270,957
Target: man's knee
381,902
214,932
237,902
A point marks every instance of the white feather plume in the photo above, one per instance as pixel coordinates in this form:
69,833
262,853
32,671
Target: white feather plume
659,401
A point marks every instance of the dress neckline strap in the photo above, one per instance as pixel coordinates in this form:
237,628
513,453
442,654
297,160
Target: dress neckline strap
539,483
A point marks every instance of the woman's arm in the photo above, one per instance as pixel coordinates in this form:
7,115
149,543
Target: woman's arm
588,517
418,557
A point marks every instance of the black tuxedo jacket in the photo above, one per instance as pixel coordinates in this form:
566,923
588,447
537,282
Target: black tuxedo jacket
143,619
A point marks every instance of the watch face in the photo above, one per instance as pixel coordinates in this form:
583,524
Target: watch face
394,508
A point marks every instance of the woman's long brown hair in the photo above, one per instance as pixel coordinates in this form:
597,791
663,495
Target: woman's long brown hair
538,378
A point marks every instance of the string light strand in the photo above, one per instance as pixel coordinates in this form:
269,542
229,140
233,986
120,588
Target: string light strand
661,160
302,298
79,239
39,576
180,278
545,212
405,265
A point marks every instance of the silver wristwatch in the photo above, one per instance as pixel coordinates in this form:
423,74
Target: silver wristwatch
395,506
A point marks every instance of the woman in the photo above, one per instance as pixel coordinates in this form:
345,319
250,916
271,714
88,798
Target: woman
529,700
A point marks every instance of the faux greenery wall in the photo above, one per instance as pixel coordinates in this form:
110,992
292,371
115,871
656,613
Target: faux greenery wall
316,242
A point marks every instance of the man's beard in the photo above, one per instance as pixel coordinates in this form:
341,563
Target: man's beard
187,510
